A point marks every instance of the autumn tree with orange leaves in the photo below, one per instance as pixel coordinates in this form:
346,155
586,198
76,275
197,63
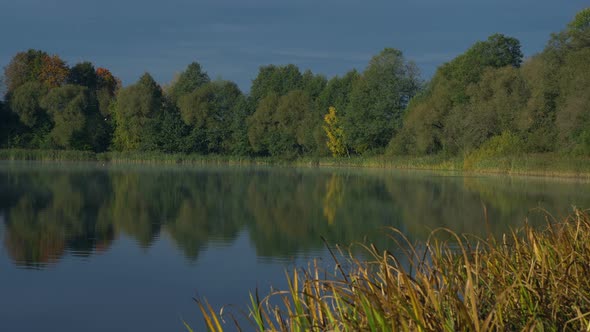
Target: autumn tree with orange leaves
54,71
106,80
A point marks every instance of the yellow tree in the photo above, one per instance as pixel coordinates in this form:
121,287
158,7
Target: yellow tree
334,133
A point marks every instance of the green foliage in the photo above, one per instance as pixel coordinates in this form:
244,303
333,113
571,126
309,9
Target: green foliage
579,29
136,107
67,107
313,85
293,116
106,89
581,21
282,126
480,94
422,131
262,124
378,101
84,74
584,142
97,132
238,141
167,132
445,109
496,52
5,126
24,67
496,103
208,110
573,101
506,144
188,81
277,80
538,118
337,92
25,101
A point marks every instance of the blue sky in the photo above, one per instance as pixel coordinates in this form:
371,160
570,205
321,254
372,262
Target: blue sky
232,38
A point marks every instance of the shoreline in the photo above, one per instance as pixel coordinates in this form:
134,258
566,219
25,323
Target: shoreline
530,165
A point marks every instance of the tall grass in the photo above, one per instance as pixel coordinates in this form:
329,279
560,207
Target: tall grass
47,155
533,280
127,157
549,164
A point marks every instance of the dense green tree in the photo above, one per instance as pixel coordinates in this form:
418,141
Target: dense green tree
5,126
277,80
101,87
29,123
25,100
313,85
573,102
581,21
555,115
208,110
283,126
538,119
188,81
136,107
496,103
484,93
84,74
262,124
425,125
67,107
238,141
579,29
107,87
378,101
280,81
337,92
496,52
545,73
295,124
167,132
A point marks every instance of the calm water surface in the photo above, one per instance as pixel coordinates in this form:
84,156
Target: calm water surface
125,248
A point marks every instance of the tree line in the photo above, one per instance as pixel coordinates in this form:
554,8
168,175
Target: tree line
486,98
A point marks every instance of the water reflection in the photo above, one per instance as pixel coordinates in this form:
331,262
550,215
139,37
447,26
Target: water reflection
57,209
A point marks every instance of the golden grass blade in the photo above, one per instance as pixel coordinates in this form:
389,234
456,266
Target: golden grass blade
531,279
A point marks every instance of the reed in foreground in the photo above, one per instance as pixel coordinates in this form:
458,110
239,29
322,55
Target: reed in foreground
533,280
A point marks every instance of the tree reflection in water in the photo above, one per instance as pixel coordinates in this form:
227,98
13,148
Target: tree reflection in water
51,211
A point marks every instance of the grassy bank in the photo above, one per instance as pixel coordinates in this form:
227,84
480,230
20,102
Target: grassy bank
126,157
533,280
550,164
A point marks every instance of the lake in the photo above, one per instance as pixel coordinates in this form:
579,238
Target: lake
91,247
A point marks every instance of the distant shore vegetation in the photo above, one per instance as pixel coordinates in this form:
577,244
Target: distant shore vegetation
488,103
